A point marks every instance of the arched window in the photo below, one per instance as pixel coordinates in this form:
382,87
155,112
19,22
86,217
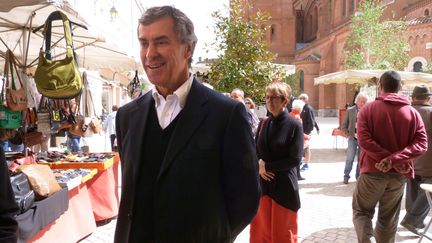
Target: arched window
272,33
316,21
302,81
426,12
352,6
418,67
343,7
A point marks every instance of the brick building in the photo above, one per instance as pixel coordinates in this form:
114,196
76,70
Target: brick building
311,34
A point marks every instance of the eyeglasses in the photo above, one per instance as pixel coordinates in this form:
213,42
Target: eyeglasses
302,98
271,98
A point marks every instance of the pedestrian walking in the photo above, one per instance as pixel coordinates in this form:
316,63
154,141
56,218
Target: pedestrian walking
190,171
391,134
109,126
416,204
309,123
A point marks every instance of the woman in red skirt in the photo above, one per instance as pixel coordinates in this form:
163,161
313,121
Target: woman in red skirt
280,149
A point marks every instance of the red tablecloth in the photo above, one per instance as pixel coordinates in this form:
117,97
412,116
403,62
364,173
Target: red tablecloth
74,224
103,192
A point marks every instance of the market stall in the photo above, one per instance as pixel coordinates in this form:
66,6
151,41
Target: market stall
74,211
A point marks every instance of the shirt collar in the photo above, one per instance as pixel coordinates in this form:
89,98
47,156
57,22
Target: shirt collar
181,93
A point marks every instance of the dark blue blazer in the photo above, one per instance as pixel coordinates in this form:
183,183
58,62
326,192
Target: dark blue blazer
207,189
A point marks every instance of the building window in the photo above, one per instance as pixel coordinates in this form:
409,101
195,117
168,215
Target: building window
418,67
302,81
343,7
352,6
426,12
272,34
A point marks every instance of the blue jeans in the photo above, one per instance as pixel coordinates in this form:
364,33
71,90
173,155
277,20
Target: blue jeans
73,143
353,149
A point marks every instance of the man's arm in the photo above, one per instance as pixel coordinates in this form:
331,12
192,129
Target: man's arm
366,141
417,147
239,171
345,124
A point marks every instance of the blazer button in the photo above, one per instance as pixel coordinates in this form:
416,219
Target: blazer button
129,216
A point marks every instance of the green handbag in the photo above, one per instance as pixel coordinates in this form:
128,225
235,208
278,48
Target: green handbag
58,79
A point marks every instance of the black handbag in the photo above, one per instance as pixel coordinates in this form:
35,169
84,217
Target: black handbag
24,195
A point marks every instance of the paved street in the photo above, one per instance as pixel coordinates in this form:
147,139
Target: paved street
325,215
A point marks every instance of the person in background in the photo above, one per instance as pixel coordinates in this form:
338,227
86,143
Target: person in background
109,126
280,149
8,207
296,109
416,204
73,142
250,105
309,123
238,95
391,135
349,127
190,171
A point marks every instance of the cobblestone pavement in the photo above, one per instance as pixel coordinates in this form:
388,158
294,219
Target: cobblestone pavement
325,215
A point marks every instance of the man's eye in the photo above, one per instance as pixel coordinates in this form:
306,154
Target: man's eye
143,44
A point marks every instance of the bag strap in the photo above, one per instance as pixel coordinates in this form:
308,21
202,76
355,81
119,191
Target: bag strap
67,28
13,66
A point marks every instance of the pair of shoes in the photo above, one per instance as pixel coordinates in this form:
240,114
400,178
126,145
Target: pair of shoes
410,227
345,180
304,167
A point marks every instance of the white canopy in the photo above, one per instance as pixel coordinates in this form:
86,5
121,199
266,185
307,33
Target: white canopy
371,76
18,18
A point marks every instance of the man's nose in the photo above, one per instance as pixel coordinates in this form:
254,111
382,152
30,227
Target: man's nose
151,51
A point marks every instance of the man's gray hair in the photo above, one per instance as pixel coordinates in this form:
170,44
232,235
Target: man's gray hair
238,91
360,95
183,26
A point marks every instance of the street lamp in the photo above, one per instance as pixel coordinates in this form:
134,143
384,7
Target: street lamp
113,13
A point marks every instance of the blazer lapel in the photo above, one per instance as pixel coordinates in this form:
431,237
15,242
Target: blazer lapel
190,117
138,122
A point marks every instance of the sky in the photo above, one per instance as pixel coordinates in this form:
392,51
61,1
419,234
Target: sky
122,30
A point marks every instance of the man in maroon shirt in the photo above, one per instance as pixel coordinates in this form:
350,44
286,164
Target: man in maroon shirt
391,134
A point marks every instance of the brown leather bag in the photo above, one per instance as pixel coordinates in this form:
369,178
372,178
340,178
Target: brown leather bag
41,178
16,99
32,138
96,125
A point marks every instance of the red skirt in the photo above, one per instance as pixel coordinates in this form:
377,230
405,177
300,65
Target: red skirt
273,223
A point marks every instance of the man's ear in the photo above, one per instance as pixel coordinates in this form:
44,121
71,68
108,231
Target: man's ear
189,50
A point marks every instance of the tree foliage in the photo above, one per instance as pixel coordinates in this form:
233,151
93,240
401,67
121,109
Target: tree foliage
375,44
244,60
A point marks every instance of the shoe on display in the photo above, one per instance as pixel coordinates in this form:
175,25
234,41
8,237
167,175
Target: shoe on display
345,180
410,227
304,167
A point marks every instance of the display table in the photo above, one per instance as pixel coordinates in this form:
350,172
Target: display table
74,224
103,192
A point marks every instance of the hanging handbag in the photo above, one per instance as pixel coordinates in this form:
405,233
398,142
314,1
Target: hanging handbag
134,87
24,195
58,79
8,119
16,99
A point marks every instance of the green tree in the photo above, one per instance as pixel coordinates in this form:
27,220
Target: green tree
375,44
244,60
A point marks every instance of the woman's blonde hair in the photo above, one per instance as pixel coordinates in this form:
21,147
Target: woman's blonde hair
250,102
280,89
